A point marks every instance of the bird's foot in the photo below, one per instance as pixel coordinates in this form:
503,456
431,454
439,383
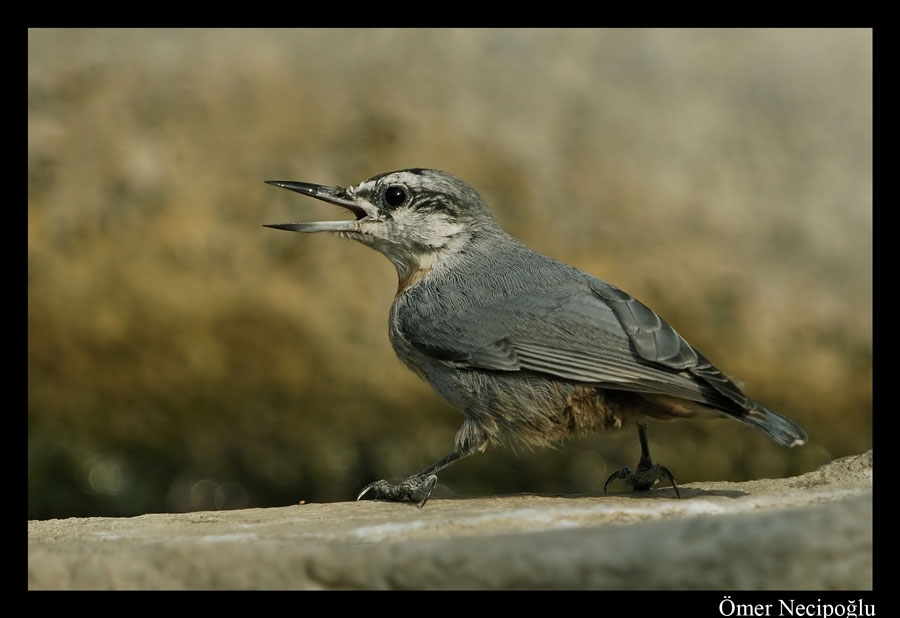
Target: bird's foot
417,488
646,476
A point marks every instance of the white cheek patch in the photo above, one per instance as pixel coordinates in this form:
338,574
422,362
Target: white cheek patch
439,231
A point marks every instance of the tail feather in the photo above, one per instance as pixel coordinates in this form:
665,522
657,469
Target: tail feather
782,430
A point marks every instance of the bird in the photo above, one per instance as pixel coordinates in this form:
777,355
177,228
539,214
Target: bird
529,349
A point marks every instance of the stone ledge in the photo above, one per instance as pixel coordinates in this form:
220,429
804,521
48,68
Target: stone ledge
812,532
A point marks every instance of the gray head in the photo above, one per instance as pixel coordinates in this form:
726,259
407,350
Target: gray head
415,217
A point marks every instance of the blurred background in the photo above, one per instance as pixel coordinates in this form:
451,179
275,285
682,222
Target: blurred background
182,357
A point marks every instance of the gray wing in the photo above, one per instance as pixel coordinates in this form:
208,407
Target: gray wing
573,326
590,332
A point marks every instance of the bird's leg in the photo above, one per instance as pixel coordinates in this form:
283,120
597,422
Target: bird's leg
647,474
415,488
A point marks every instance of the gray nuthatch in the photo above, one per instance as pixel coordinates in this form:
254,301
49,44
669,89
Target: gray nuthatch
523,345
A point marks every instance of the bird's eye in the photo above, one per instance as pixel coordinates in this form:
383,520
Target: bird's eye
395,195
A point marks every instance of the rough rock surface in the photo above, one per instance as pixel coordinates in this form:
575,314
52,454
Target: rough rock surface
811,532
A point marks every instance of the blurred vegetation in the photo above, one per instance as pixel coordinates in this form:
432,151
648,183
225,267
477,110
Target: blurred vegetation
182,357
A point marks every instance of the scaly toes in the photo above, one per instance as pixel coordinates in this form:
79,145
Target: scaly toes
414,489
644,478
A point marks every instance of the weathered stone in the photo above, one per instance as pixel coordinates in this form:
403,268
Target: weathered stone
810,532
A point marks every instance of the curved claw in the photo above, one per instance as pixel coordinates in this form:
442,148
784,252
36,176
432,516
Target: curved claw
644,479
622,473
668,474
414,489
366,490
647,473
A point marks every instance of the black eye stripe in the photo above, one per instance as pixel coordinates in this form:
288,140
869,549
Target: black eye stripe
435,204
395,195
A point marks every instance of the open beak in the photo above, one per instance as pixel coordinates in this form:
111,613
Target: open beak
334,195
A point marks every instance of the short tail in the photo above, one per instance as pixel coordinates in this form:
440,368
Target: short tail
738,406
783,430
